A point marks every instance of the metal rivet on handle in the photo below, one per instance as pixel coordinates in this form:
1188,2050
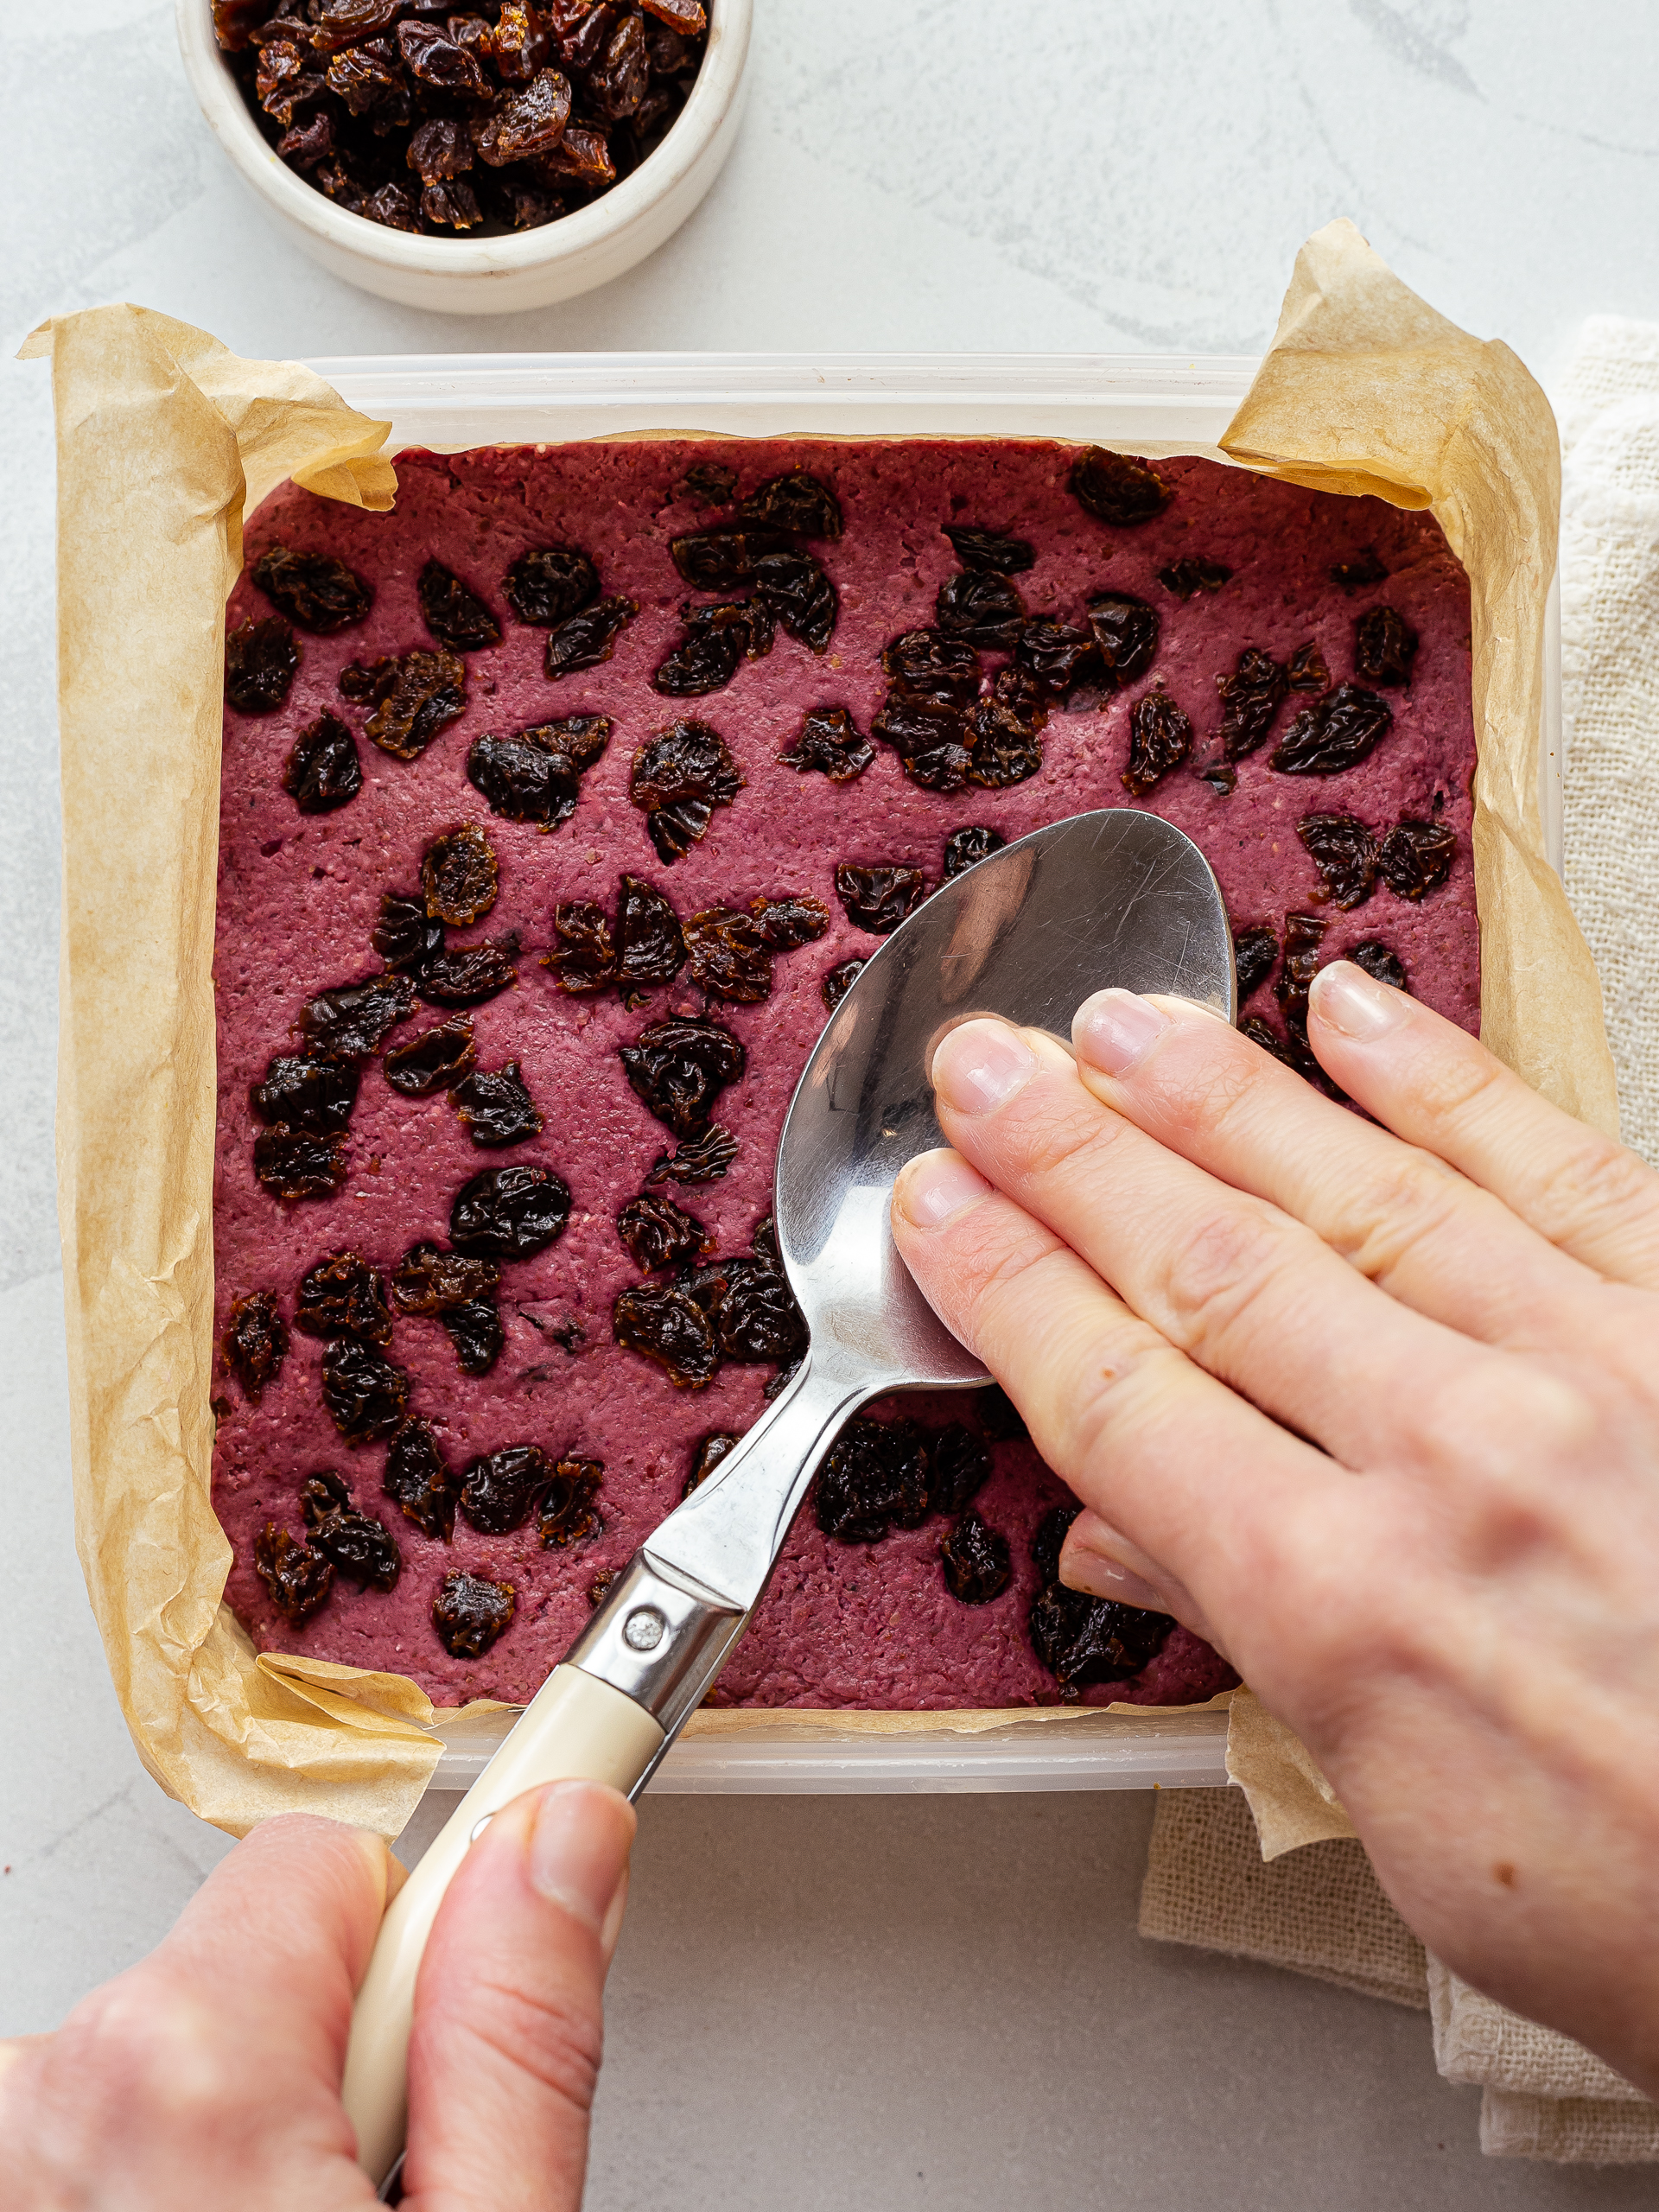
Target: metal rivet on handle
644,1629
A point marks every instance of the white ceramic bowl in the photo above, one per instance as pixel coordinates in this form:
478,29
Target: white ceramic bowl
497,276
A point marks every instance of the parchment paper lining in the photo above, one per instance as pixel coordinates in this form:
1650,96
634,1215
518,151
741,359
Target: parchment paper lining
165,440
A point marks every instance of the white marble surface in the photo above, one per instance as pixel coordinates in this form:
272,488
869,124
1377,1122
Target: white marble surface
909,2003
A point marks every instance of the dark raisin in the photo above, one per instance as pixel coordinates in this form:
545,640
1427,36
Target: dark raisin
568,1515
585,962
298,1579
984,610
702,1159
797,503
1254,954
459,876
291,1165
429,1280
364,680
1416,858
671,1328
256,1342
475,1331
1126,631
435,55
1221,778
342,1296
469,1614
1345,852
403,937
313,589
350,1023
709,1452
439,150
425,693
1117,489
1005,750
961,1468
546,586
1161,737
527,121
1306,671
356,1543
508,1213
584,640
1264,1034
1193,574
452,207
1336,732
706,657
1380,961
988,550
963,847
418,1476
796,590
714,560
656,1233
601,1586
679,1066
366,1394
764,1242
316,1096
756,1318
874,1478
926,665
496,1108
393,205
930,736
999,1416
434,1060
537,776
1303,933
730,952
1057,656
976,1562
878,898
323,771
260,662
471,976
838,980
498,1489
456,617
679,777
830,743
707,483
1250,698
1385,646
1081,1639
1048,1537
617,80
651,945
1364,569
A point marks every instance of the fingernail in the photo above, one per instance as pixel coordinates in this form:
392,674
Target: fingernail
981,1065
1355,1004
1115,1029
936,1187
579,1848
1098,1577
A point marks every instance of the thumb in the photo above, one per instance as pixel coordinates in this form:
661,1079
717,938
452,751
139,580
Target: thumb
504,2053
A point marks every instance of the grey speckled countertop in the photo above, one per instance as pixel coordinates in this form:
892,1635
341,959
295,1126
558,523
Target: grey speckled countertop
903,2002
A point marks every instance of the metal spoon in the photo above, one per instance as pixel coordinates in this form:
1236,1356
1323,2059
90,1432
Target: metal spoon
1113,898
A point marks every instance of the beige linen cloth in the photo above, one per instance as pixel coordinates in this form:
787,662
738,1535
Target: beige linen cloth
1235,1870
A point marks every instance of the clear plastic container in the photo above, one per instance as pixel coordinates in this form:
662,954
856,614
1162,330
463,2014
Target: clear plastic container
1149,401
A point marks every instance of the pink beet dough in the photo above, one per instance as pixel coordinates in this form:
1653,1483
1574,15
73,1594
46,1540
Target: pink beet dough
842,1626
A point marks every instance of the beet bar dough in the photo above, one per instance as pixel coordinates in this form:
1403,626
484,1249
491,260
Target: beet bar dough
858,1624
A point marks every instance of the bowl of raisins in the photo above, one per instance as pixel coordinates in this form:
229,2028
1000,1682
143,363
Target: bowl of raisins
473,163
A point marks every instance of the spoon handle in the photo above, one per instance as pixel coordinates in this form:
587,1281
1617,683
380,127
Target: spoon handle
609,1711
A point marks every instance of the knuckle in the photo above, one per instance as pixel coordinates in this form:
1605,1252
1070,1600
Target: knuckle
1230,1260
548,2034
1587,1181
1405,1202
146,2047
1122,1387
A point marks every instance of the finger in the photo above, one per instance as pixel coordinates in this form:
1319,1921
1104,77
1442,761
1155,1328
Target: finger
209,2073
505,2052
1421,1231
1195,1478
1251,1295
1103,1563
1434,1085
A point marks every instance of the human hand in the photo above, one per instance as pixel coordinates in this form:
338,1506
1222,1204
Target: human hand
1377,1414
208,2074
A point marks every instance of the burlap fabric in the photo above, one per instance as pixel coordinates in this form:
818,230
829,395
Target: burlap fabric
1257,1888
